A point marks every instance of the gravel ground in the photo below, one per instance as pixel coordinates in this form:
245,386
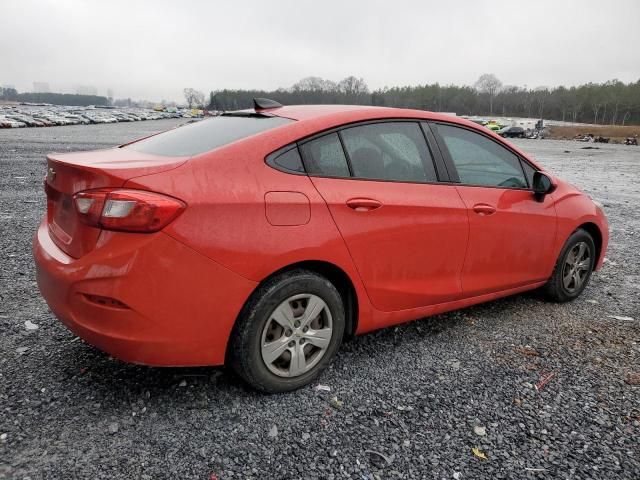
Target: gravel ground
405,402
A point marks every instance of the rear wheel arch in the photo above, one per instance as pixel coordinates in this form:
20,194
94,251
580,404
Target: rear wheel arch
336,275
340,279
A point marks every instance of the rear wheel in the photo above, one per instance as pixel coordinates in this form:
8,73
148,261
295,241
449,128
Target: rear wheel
288,332
573,268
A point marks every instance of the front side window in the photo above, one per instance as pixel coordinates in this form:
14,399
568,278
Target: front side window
394,151
324,156
481,161
529,171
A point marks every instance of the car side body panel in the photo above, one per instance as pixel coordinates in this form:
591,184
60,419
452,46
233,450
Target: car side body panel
510,237
409,251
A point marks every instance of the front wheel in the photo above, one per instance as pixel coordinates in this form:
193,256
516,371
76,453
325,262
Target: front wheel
573,268
288,332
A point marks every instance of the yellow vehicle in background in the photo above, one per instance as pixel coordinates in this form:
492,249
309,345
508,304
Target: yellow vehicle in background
493,125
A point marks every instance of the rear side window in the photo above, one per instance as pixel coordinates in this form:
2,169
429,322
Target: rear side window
288,161
324,156
481,161
394,151
205,135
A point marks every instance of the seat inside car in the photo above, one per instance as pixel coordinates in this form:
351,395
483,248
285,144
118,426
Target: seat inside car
368,163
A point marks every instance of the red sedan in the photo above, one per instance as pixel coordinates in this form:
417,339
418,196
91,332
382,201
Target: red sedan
260,238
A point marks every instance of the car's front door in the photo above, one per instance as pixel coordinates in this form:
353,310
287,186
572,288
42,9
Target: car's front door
511,234
406,234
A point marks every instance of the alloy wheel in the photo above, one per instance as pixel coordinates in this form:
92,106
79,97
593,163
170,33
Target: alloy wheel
296,335
577,264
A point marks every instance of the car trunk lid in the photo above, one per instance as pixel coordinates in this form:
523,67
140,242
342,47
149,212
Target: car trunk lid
70,173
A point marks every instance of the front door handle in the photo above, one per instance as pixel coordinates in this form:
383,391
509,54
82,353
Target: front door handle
363,204
484,209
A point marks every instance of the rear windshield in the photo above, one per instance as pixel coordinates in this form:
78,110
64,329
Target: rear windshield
205,135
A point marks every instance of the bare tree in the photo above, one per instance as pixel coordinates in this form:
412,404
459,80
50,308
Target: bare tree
314,84
353,86
541,95
489,84
193,97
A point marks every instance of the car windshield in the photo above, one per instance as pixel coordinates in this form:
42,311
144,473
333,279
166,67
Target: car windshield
205,135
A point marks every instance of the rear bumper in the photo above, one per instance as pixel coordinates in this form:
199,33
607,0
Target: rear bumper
172,306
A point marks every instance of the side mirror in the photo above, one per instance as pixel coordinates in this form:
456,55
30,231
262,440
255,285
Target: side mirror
542,184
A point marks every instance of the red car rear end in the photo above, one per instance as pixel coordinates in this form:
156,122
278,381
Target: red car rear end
111,275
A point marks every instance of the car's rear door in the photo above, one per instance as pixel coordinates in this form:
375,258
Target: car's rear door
406,233
511,233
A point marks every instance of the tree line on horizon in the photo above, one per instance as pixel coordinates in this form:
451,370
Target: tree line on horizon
609,103
76,100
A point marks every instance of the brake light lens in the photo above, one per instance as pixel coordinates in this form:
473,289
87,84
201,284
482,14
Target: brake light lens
127,210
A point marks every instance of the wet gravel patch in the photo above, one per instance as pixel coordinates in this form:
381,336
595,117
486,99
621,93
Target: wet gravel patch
539,390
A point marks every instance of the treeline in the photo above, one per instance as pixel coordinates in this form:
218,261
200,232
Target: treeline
11,94
609,103
310,90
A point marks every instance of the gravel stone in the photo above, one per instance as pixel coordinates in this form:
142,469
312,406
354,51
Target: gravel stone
455,370
30,325
480,431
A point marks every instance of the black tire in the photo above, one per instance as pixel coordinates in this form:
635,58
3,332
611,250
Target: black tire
244,352
555,288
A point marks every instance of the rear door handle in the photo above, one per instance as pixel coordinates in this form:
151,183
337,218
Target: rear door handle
363,204
484,209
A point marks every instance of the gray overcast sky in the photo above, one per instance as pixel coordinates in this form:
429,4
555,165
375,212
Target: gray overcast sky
153,49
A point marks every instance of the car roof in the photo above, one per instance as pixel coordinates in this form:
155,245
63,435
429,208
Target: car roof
315,118
320,117
309,112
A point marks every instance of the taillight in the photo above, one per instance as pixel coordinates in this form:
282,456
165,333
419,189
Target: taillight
127,210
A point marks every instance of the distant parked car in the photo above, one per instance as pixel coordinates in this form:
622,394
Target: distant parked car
76,119
87,118
511,132
45,121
